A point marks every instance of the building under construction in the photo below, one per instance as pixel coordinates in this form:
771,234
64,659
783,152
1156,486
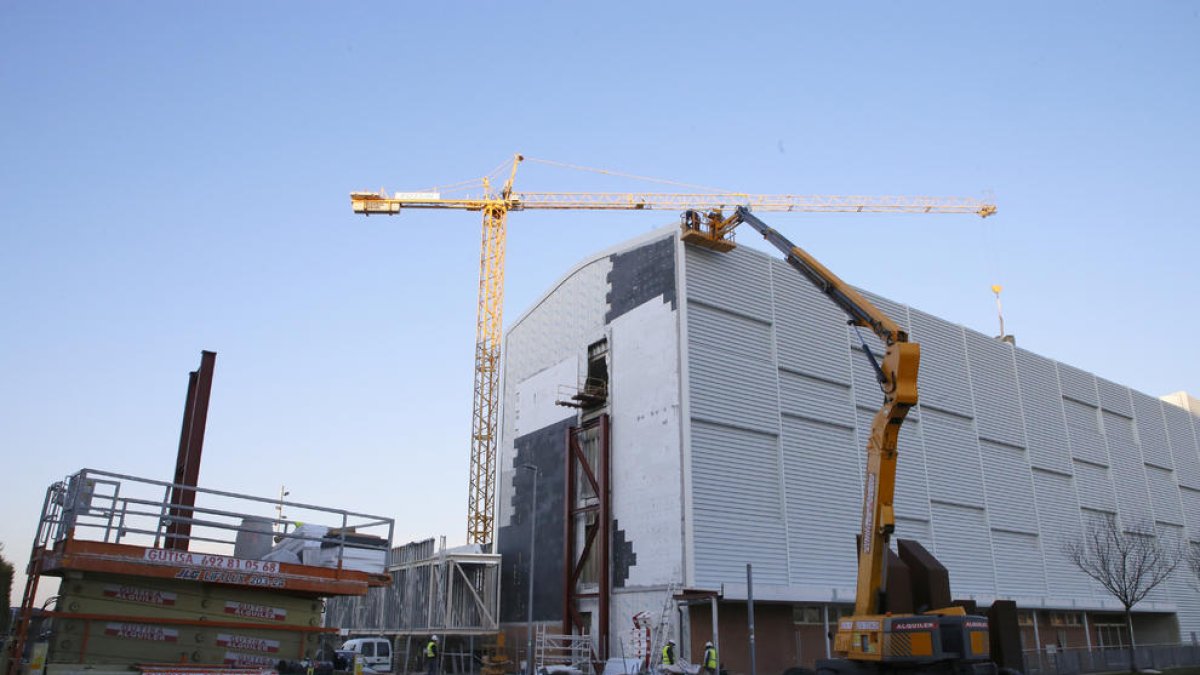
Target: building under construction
686,413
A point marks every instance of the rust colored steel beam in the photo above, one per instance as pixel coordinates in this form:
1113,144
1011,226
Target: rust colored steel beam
191,447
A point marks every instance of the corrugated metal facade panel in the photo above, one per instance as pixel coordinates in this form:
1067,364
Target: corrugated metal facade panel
1114,397
1083,426
1095,487
1009,488
736,281
1128,470
810,330
1190,500
816,400
964,547
1183,445
1152,430
943,384
1078,384
1059,516
994,384
727,332
1020,571
737,505
734,390
823,493
1041,401
1164,495
952,459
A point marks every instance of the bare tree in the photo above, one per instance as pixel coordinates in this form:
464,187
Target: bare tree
1128,563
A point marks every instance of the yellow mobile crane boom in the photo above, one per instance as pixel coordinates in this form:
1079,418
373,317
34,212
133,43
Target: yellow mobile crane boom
495,206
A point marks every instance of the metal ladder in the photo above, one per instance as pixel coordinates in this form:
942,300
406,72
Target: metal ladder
659,633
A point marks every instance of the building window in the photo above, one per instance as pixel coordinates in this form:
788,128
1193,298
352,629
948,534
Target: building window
1024,618
1065,619
808,614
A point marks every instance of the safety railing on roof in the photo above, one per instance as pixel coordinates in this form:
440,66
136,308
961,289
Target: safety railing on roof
93,505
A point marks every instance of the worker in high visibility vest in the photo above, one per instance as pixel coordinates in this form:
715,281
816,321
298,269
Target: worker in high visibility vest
668,653
431,656
708,665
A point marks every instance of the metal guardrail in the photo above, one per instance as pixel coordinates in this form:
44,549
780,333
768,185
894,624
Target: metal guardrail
93,505
1109,659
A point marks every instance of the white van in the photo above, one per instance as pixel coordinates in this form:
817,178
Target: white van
374,652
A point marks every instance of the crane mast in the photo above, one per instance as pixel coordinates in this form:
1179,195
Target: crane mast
495,207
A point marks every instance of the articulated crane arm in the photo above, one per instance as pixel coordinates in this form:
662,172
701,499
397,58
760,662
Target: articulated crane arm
897,374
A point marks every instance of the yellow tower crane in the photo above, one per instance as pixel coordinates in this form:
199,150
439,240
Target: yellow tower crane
495,206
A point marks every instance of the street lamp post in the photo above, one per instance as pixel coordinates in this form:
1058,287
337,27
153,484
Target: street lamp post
532,550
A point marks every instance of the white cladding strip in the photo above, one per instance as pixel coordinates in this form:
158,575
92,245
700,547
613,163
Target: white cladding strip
943,364
1183,445
1164,495
1083,425
1042,404
810,330
1078,384
952,458
1133,495
965,548
1060,520
736,281
1151,429
823,502
815,399
737,499
1095,487
1114,397
1009,488
1016,572
994,384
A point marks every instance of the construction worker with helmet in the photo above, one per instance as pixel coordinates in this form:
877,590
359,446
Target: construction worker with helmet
668,654
708,664
431,656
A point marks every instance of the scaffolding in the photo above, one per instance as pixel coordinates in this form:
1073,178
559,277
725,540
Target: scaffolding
434,591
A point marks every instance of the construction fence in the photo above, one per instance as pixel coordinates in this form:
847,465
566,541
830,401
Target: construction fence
1109,659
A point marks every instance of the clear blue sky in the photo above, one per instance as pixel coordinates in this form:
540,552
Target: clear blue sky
175,178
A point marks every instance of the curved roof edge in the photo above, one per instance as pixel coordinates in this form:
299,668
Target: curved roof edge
627,245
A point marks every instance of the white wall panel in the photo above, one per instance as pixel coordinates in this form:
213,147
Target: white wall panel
739,280
1164,495
815,399
1019,569
1114,397
646,427
1009,488
1042,404
943,383
994,387
1095,487
952,458
965,548
824,496
1152,430
1058,512
809,329
918,530
1190,502
1083,426
1128,470
1183,445
738,505
1078,384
